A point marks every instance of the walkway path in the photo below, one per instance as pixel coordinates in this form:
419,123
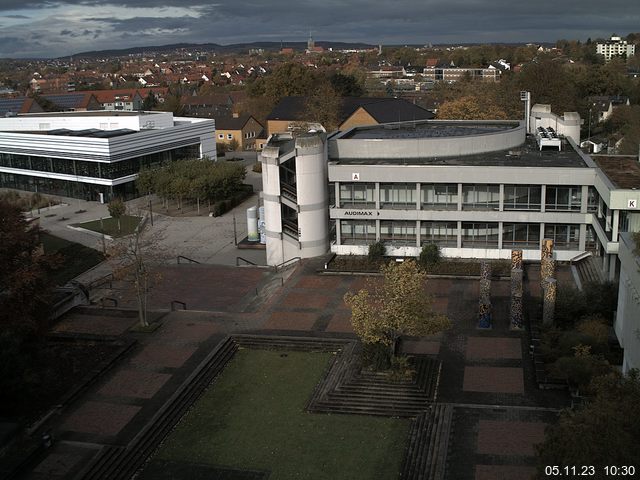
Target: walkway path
487,376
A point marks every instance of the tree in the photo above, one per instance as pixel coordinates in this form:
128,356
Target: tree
324,107
25,294
117,209
604,432
382,313
470,108
150,102
134,258
346,85
24,284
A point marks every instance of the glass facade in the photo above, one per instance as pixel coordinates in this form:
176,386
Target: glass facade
357,195
357,232
82,168
108,170
443,234
565,237
522,197
439,196
398,233
480,197
400,196
480,235
521,235
563,198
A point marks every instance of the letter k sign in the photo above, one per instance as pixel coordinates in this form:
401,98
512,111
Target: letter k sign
632,204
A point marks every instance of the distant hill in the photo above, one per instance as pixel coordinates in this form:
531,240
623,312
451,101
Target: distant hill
214,47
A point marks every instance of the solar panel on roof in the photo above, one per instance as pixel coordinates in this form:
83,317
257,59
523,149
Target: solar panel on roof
10,105
65,101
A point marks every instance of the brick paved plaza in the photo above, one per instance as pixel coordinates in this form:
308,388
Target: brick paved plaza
499,414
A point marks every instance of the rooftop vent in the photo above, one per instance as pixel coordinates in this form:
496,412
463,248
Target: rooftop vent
547,137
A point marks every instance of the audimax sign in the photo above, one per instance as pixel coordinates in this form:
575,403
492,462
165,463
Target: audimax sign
360,213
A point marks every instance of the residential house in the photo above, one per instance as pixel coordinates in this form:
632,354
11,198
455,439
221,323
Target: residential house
244,129
354,111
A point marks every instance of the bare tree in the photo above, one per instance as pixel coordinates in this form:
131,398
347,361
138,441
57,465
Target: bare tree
135,258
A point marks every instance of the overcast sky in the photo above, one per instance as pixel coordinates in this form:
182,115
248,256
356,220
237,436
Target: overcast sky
51,28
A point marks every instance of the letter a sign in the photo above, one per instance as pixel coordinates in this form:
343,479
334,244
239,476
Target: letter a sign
632,203
355,177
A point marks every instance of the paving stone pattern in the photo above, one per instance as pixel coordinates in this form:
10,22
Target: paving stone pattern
486,376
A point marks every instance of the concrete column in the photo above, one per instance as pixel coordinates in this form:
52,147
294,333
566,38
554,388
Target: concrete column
338,231
612,268
614,225
377,230
459,198
376,195
541,236
607,223
459,235
584,199
337,194
499,235
582,240
418,206
600,202
543,199
418,233
501,204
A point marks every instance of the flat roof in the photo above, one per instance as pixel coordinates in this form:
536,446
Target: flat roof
526,155
623,171
91,113
431,129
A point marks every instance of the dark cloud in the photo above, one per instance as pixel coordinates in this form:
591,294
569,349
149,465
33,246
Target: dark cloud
371,21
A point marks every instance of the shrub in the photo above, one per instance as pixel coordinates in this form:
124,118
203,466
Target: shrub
257,167
595,327
401,369
429,256
376,356
376,251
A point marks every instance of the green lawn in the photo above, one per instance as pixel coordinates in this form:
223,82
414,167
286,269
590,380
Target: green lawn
128,224
253,418
76,258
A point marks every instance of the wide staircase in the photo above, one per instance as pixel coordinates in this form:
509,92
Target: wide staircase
349,389
428,446
589,270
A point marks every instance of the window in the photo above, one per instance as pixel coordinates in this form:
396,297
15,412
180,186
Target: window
357,232
591,243
480,197
221,136
440,196
522,197
398,195
565,237
564,198
443,234
357,195
521,235
479,235
398,233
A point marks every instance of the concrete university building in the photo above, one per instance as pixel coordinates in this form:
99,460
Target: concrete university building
477,189
95,155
